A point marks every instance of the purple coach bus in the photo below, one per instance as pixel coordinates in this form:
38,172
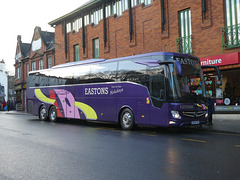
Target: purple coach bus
157,89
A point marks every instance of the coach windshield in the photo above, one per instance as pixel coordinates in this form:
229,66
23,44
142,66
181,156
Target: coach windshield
190,85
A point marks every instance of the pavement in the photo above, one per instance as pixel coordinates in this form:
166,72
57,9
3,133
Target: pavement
224,123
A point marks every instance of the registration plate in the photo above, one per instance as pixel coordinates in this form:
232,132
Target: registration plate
195,122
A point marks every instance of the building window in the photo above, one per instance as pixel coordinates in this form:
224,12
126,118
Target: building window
97,16
147,2
76,52
117,8
96,48
231,33
109,9
18,73
34,67
87,19
94,16
77,24
49,62
69,27
184,43
40,64
27,69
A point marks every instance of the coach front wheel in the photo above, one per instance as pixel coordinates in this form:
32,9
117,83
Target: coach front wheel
53,114
127,119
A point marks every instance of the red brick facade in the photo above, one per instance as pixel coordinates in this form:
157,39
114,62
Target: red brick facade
26,55
147,31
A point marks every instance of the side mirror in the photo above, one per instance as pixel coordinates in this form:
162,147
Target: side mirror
179,68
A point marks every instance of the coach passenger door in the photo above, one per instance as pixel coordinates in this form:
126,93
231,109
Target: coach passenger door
157,92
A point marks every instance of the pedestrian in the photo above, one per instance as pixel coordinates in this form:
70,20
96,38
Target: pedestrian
8,105
11,105
4,104
210,110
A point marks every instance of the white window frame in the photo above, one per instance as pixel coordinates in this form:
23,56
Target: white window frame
49,62
27,69
40,64
18,73
34,66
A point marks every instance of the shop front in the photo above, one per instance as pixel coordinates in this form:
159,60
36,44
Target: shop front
225,92
20,96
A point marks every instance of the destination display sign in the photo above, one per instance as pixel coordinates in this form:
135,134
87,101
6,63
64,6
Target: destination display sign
186,61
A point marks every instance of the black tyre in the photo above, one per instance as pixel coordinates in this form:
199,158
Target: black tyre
53,114
127,119
43,113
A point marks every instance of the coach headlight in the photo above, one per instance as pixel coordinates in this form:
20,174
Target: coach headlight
206,115
175,114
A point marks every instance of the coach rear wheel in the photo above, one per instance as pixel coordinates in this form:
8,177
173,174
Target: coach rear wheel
127,119
43,113
53,114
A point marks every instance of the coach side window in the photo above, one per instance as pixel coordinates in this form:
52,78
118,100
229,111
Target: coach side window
133,72
81,74
103,72
32,79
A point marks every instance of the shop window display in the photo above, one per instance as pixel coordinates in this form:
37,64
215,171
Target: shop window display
214,88
225,92
210,84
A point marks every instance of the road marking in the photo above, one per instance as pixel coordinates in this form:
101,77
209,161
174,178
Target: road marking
237,146
107,128
99,128
104,128
152,135
117,131
194,140
224,133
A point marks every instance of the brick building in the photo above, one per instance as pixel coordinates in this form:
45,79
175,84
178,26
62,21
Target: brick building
209,29
39,54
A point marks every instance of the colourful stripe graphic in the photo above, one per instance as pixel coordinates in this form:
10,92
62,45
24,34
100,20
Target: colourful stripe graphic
87,110
42,97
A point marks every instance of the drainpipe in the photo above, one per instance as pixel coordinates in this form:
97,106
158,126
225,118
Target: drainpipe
65,39
104,23
204,8
162,15
130,19
83,35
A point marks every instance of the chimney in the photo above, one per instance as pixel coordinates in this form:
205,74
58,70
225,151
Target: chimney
19,38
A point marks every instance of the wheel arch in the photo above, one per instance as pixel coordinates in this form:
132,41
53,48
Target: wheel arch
122,109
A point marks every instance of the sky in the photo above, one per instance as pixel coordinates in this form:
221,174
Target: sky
20,17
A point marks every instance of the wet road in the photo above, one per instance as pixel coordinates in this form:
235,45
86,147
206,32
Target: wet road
33,149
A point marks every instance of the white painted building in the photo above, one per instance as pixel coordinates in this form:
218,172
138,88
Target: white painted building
3,80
